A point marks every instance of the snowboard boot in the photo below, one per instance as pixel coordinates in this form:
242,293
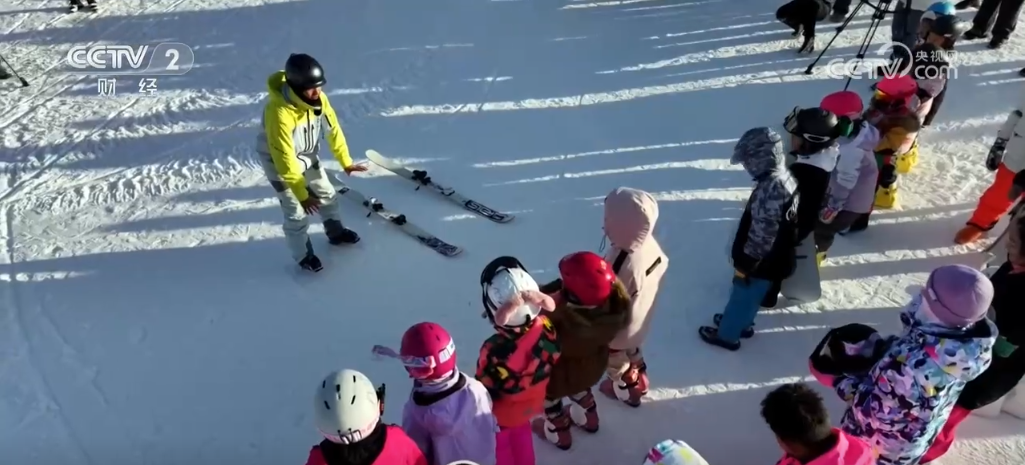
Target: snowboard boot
338,234
554,426
968,234
886,197
625,389
819,258
808,46
311,263
747,333
583,411
710,335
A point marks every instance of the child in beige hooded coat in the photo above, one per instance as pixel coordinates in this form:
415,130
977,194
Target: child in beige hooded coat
638,261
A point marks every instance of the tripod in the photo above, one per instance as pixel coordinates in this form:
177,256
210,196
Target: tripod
878,15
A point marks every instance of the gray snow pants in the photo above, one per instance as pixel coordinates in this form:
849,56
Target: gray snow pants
296,224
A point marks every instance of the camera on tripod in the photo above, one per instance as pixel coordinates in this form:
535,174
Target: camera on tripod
880,10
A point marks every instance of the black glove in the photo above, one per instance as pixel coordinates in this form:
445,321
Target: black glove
996,154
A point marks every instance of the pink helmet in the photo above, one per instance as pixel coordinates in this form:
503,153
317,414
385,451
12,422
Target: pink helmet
843,103
428,351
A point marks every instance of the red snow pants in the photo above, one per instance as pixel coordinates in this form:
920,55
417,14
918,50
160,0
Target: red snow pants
994,202
945,438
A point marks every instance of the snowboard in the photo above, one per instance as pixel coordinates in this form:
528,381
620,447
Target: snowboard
421,178
804,285
375,207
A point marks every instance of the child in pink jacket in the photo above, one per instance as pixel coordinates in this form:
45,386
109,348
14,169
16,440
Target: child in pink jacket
448,414
797,416
347,409
639,263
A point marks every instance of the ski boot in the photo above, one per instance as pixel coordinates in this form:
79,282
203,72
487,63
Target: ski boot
968,234
338,234
583,410
906,162
625,389
554,426
311,263
886,197
747,333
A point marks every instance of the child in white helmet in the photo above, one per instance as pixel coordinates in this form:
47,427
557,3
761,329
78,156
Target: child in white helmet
516,362
347,408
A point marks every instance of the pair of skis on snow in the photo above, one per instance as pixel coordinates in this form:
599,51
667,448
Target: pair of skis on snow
419,177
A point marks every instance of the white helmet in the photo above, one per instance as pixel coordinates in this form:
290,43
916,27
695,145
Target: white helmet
510,295
346,407
673,452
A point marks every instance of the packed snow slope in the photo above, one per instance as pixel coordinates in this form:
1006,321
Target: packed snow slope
149,312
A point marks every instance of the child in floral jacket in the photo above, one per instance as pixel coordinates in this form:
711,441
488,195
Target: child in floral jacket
901,404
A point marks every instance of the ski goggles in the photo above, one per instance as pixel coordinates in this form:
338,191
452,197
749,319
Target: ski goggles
418,367
790,124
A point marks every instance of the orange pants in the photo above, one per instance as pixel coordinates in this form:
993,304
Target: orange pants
994,202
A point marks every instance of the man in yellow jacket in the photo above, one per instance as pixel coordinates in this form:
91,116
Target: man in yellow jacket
289,144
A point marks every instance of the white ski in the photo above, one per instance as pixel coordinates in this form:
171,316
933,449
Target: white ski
421,178
374,206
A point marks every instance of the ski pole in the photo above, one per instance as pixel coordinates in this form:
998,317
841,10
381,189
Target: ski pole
6,63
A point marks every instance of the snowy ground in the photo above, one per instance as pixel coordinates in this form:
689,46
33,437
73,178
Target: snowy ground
150,313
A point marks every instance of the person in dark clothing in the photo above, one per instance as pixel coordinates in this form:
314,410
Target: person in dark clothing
763,249
1008,366
801,16
813,143
995,20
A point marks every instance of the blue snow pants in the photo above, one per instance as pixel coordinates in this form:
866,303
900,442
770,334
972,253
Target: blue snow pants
745,300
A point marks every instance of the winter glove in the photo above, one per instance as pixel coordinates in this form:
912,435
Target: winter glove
1003,348
996,154
826,380
311,205
827,215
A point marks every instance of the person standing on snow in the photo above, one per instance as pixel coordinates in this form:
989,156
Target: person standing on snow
516,363
764,248
347,410
639,263
853,183
1008,367
1007,158
448,414
902,402
592,307
289,145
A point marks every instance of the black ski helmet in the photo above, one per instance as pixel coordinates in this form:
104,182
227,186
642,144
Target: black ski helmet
816,127
951,27
848,349
303,72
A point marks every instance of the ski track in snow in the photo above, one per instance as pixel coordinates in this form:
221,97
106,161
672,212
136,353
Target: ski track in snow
148,307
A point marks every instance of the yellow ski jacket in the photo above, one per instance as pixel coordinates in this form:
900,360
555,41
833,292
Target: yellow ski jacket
291,134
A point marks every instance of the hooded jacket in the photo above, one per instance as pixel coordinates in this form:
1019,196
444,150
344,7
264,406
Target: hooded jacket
584,336
901,404
853,183
289,140
848,450
813,173
636,258
387,445
764,246
454,424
